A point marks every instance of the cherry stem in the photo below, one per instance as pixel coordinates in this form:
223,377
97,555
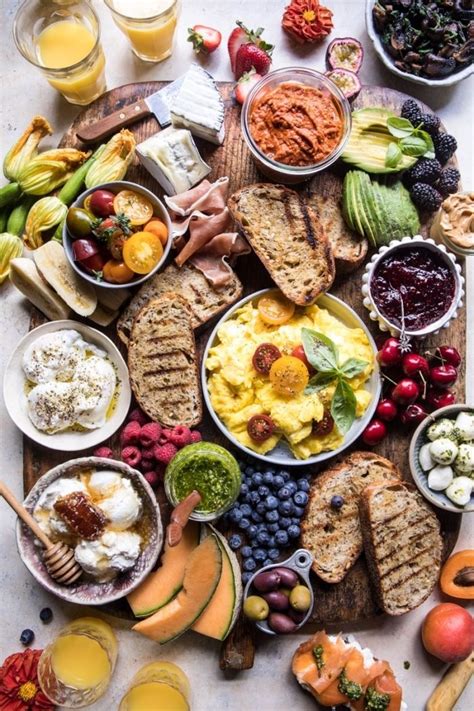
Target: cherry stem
386,377
425,383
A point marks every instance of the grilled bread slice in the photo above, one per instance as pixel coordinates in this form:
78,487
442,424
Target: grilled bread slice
286,236
204,302
402,545
333,535
163,362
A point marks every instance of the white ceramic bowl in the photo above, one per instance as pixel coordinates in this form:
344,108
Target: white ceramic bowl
281,455
449,259
16,401
388,60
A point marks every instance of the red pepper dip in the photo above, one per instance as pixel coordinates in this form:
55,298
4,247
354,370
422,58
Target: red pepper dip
296,124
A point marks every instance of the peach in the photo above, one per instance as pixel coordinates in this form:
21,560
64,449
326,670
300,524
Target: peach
448,632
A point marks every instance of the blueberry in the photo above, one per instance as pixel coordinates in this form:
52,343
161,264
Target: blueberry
293,531
273,527
296,521
246,499
27,637
246,510
292,486
303,485
244,488
235,515
244,523
286,476
245,551
256,518
271,502
278,481
46,615
235,541
285,522
300,498
273,553
257,479
272,516
246,577
249,471
298,511
284,493
252,531
259,555
286,508
281,538
268,477
262,526
263,537
254,497
260,508
271,542
249,564
337,502
267,561
263,491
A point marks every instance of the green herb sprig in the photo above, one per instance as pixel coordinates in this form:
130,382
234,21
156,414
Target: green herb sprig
411,141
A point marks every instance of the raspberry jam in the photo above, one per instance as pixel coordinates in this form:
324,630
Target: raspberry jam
420,277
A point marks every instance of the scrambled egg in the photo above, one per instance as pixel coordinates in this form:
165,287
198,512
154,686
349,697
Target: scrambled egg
238,392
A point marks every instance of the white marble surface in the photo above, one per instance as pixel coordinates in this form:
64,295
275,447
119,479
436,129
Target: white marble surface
269,684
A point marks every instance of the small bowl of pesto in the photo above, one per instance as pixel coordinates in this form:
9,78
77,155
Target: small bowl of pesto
209,469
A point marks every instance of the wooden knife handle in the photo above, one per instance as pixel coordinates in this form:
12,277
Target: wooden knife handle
113,122
451,685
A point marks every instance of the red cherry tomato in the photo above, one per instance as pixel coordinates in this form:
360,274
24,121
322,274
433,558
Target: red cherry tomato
299,352
414,364
386,410
450,355
324,426
440,398
102,203
443,376
83,249
390,353
260,427
95,263
406,391
374,433
264,357
414,414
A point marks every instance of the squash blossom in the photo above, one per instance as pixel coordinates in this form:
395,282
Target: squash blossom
11,247
25,148
44,215
113,163
49,170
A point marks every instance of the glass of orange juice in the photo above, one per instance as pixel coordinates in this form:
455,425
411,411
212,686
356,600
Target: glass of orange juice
148,24
62,39
161,686
75,669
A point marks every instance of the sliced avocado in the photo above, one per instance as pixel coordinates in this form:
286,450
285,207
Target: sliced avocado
366,207
379,221
411,220
347,202
356,206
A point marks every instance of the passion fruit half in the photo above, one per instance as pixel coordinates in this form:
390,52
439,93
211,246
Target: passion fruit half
347,81
345,53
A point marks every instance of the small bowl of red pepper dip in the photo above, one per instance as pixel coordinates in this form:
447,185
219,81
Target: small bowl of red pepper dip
295,122
413,286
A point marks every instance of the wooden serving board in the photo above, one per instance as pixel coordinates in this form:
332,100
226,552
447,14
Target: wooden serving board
351,600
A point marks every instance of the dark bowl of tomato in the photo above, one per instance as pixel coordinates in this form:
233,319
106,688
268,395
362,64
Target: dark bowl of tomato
117,234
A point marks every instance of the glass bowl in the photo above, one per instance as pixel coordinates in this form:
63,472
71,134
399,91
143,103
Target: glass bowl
283,172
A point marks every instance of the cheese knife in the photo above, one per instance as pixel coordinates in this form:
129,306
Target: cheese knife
157,105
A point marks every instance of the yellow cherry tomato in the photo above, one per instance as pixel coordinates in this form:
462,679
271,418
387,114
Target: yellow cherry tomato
158,228
142,252
117,272
133,205
275,309
289,376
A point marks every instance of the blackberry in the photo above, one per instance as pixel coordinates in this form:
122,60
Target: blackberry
431,123
426,197
448,182
411,111
425,170
445,146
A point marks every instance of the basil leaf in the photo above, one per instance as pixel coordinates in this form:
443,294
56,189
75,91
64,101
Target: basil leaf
353,366
320,350
413,146
399,127
430,151
393,155
320,381
343,406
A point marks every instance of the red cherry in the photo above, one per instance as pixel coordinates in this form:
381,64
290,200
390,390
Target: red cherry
406,391
440,398
390,353
414,364
374,433
443,376
450,355
386,410
414,414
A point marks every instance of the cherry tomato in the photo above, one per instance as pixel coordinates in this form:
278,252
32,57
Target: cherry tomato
299,352
101,202
390,353
386,410
374,433
135,206
275,309
158,228
443,376
414,364
289,376
440,398
117,272
264,357
84,248
142,252
450,355
324,426
406,391
414,414
79,222
260,427
94,263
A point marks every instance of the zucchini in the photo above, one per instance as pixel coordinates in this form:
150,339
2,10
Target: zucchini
9,194
4,212
73,186
17,220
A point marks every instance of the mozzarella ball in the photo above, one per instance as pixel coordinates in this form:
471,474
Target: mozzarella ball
460,490
440,478
443,450
441,428
465,425
464,461
426,460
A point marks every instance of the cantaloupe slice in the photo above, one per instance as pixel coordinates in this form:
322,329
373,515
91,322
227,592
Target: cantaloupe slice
201,577
220,614
164,584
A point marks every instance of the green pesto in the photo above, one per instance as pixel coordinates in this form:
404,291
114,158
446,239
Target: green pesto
210,477
318,657
374,701
351,689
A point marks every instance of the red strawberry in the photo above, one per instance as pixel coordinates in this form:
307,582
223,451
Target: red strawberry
241,35
245,83
204,39
248,56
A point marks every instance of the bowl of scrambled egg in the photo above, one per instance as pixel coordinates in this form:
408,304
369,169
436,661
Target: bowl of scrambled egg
257,379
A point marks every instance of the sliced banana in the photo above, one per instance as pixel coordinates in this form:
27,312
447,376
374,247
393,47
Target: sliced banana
27,279
103,316
53,265
460,490
112,299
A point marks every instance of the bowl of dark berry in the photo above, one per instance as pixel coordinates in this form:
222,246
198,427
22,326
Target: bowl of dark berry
428,42
413,287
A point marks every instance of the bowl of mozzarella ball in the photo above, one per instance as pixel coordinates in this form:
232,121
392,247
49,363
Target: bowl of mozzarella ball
442,458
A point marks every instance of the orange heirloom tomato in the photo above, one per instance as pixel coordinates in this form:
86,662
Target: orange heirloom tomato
289,376
142,252
117,272
133,205
275,309
158,228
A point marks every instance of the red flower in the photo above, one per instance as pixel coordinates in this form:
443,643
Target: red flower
307,20
19,686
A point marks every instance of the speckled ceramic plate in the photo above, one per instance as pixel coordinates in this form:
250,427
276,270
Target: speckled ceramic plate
86,591
438,498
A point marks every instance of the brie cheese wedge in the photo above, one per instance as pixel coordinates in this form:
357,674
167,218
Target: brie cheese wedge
199,106
173,160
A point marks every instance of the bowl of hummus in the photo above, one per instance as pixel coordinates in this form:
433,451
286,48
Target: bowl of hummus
295,122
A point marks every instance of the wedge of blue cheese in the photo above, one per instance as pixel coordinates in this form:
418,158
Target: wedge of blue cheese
199,106
173,160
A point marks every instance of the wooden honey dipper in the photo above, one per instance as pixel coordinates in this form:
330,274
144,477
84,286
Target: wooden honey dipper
58,557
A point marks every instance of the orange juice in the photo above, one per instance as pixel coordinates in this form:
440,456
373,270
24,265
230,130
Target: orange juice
161,686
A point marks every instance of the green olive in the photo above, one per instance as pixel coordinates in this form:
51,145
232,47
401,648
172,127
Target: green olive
79,222
256,608
300,598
